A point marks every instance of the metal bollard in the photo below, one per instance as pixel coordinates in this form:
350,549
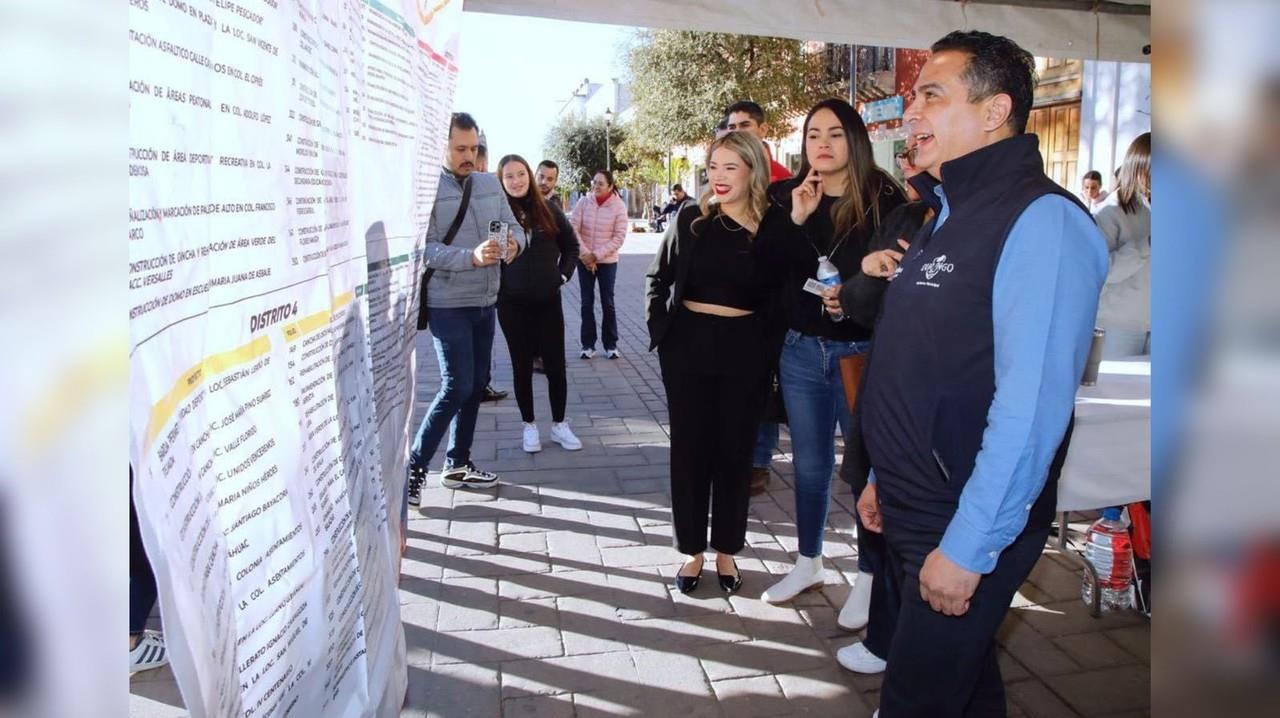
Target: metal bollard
1090,377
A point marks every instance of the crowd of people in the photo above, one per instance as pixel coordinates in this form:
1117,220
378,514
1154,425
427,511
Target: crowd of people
967,298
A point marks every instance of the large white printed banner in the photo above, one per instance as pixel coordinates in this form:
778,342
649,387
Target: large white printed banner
283,159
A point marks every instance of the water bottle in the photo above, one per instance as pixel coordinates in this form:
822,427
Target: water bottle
1108,547
830,276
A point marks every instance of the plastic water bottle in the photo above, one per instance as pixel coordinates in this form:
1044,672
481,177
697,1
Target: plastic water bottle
1108,547
830,276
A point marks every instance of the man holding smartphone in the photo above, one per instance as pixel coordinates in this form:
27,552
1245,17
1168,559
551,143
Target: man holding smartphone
460,297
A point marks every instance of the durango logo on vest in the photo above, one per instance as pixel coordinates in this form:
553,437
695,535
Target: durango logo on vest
936,267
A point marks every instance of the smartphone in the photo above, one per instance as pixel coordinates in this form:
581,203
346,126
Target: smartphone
498,233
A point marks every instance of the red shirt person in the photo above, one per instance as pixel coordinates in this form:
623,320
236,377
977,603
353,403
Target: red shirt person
747,116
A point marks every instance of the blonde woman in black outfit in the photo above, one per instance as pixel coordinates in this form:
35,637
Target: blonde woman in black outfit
529,301
707,294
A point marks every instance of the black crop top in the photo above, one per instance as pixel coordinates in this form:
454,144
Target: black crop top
722,269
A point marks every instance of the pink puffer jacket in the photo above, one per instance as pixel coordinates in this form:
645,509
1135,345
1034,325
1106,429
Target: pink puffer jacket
601,228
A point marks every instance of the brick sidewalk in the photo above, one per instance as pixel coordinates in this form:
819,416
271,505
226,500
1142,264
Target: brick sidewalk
549,596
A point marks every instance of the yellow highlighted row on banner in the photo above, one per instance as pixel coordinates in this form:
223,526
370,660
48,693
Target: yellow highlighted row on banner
191,379
319,320
216,364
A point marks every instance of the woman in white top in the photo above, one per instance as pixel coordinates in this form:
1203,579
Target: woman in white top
1124,309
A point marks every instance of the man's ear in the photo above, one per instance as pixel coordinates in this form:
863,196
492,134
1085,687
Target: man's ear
764,128
999,108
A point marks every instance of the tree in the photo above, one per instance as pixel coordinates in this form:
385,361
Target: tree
681,82
644,169
578,146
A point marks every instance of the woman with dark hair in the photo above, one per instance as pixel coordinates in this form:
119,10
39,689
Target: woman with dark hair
529,301
600,219
835,204
1124,308
1091,192
708,300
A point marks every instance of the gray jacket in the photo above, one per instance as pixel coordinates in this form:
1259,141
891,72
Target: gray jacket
456,281
1126,297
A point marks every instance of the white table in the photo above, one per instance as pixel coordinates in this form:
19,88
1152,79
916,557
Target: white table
1109,460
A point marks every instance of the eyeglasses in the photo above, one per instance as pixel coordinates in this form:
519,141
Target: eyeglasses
905,157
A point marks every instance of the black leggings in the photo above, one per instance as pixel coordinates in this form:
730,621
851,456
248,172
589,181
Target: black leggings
535,329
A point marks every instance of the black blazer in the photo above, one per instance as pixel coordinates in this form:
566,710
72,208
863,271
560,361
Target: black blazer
664,282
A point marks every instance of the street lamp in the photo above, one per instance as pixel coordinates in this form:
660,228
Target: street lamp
608,122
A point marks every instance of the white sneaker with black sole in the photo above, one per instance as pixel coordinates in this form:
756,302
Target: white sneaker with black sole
564,436
467,476
611,354
587,353
531,442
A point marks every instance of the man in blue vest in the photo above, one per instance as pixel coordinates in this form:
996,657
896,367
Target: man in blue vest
971,383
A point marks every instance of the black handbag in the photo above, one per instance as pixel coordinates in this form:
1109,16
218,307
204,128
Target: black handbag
424,312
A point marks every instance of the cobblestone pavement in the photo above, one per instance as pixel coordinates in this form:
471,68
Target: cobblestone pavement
549,595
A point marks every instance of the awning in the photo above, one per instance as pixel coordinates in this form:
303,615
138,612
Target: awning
1048,28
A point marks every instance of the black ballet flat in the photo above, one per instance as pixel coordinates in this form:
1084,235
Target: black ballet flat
686,584
730,584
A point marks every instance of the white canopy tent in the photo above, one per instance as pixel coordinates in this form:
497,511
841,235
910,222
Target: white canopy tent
1048,28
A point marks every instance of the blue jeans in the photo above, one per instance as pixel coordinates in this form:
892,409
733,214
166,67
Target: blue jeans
607,275
809,372
766,444
463,338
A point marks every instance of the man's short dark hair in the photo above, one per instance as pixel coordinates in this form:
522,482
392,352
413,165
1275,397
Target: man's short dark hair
723,125
462,121
747,106
549,165
996,65
677,188
1094,175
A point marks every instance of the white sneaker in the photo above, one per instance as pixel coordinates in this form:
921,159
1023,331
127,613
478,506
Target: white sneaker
531,441
587,353
563,435
856,610
149,653
857,658
467,476
807,574
611,354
